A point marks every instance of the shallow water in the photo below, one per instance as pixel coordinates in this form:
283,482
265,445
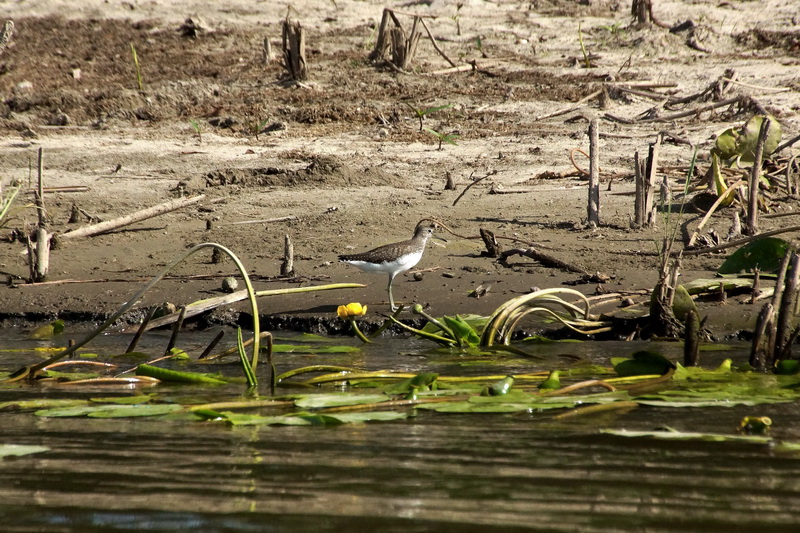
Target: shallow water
432,472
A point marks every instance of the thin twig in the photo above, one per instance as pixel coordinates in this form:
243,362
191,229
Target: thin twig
492,173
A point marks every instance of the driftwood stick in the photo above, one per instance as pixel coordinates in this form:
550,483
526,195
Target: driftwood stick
138,216
740,242
695,111
751,225
593,207
543,258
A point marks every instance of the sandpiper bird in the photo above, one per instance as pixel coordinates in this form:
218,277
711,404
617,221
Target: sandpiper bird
393,258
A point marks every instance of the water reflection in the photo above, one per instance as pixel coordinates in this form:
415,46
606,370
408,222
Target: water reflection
432,472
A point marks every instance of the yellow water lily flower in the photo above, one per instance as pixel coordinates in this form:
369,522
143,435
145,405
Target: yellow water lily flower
351,310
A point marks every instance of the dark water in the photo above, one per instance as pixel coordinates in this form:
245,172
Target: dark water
434,472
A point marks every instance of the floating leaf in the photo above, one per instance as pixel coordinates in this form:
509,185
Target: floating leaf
131,411
687,435
18,450
765,254
110,411
298,348
317,401
42,403
124,400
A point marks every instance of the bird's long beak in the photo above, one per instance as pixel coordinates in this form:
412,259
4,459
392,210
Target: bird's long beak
435,238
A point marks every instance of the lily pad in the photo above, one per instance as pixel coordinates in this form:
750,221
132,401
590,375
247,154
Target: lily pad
317,401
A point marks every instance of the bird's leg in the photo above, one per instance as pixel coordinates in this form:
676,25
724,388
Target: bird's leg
391,298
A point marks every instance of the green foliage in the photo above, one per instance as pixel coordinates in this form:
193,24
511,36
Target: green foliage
422,112
765,254
48,331
499,388
449,138
552,382
139,81
7,198
197,129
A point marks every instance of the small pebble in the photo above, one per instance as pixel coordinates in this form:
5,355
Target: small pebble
229,284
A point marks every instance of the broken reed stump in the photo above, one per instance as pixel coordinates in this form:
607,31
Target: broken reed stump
644,212
40,260
287,265
397,48
691,342
775,331
493,248
294,50
593,208
392,44
751,224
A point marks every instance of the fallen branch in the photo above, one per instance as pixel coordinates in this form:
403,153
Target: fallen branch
543,258
201,306
740,242
260,221
138,216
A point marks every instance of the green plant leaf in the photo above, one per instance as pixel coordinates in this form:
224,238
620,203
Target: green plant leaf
177,377
462,330
765,254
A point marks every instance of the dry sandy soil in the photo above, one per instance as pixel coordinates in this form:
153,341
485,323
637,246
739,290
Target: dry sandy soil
342,154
